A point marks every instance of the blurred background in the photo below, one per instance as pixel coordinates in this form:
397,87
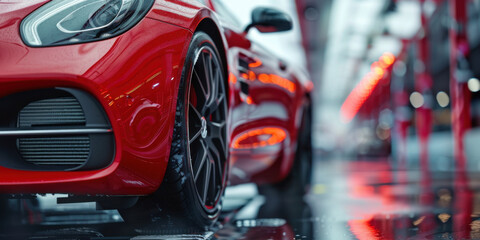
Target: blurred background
396,129
393,78
397,114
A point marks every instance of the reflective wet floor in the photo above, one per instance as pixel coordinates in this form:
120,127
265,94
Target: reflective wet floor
349,199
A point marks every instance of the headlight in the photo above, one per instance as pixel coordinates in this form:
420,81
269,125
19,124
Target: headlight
62,22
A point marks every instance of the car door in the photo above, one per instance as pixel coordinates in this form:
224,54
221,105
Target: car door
270,92
265,96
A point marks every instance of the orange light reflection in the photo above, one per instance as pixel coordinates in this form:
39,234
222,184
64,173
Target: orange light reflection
364,89
277,80
259,138
249,100
232,79
255,64
270,79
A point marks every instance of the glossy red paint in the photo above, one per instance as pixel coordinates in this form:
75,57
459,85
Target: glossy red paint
135,78
269,103
461,96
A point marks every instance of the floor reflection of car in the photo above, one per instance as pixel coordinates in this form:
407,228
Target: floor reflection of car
272,214
146,106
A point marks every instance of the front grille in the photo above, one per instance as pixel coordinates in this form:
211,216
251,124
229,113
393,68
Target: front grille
56,129
60,111
58,151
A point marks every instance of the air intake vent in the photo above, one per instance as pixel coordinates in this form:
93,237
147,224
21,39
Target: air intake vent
62,111
68,152
54,129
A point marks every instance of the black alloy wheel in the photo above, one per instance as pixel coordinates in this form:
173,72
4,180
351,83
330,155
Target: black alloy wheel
196,175
206,123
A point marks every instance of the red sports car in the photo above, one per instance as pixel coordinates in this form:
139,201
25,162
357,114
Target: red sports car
147,105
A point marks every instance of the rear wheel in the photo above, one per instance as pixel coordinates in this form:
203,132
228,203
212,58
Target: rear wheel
298,181
196,174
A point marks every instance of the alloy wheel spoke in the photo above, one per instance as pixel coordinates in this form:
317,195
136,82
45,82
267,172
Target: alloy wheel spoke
217,156
207,180
197,113
195,137
213,182
216,129
216,103
216,79
207,67
199,163
204,86
195,122
195,125
218,96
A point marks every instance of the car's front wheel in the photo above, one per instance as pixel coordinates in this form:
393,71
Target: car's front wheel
196,174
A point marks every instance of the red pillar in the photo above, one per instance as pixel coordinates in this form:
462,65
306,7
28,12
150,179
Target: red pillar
402,111
459,92
460,95
424,122
423,85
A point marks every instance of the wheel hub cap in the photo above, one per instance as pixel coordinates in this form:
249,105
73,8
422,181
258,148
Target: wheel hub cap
204,127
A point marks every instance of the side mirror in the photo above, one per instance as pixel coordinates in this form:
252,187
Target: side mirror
268,20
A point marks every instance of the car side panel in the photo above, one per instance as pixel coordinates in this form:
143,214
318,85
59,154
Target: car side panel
276,102
273,101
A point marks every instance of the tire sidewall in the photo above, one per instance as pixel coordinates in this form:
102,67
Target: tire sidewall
198,211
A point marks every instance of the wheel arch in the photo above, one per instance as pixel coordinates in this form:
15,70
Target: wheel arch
209,26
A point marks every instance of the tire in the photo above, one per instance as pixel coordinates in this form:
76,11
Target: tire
298,181
195,179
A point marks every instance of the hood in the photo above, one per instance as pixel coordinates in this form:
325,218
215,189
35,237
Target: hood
11,14
12,6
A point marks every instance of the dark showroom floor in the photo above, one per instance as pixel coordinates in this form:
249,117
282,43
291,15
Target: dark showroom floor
350,199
